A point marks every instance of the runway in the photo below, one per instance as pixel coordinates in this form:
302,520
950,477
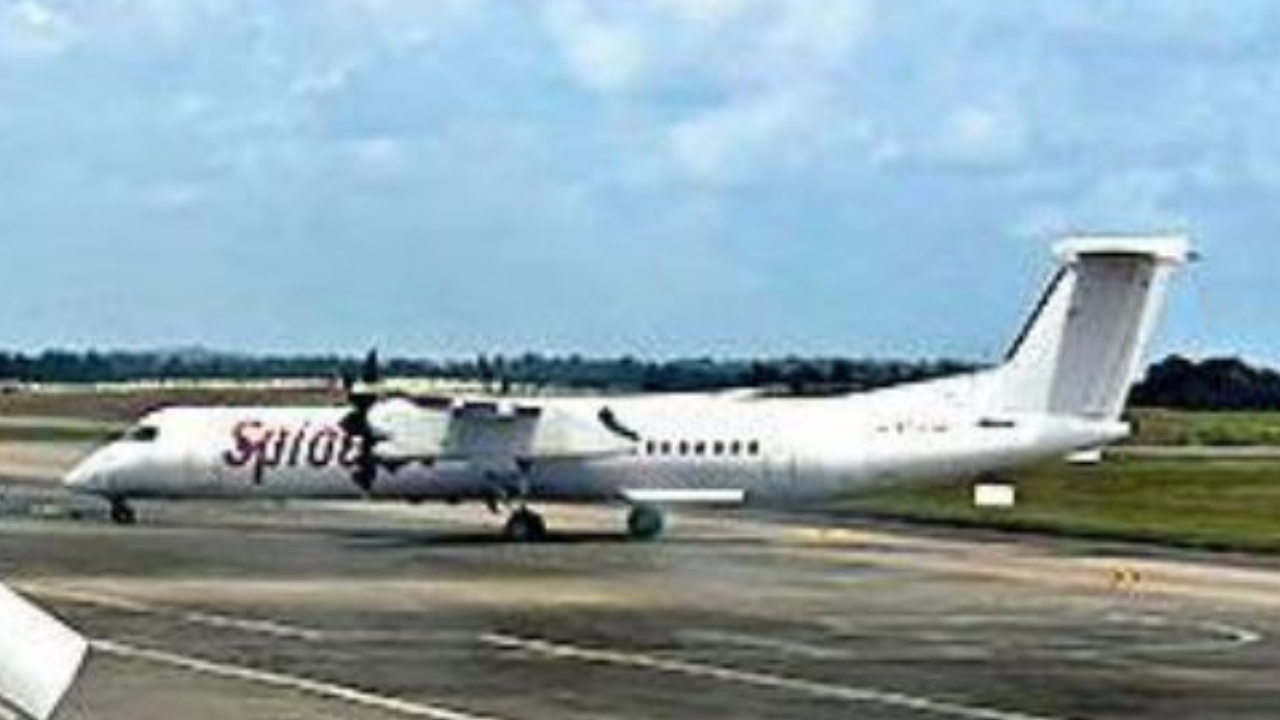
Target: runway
369,611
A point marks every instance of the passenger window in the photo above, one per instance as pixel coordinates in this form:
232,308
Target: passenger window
665,448
142,434
684,447
735,447
753,447
718,448
650,447
700,448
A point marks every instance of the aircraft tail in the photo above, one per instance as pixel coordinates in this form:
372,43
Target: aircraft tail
1083,347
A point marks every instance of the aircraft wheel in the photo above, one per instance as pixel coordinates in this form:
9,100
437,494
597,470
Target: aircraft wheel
525,525
645,522
122,513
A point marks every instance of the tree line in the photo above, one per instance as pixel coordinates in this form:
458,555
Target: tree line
623,374
1176,382
1212,384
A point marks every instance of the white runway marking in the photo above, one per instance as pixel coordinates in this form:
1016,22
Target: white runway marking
1161,636
755,642
1234,635
256,627
307,686
213,620
829,691
1223,637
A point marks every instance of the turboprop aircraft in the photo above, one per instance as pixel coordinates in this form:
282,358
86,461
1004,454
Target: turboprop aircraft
39,657
1060,390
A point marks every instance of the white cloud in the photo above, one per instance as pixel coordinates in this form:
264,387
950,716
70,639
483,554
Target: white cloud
1132,201
722,44
815,35
707,12
174,20
764,78
172,195
1181,25
378,158
404,25
974,134
30,29
323,81
602,55
723,144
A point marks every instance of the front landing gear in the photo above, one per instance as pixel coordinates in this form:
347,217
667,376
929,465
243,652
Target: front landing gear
525,525
645,522
122,512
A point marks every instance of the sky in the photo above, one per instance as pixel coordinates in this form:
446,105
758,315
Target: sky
651,177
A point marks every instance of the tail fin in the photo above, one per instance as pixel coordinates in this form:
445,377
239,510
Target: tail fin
1082,349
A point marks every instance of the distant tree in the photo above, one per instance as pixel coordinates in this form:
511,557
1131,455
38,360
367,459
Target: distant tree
841,372
1214,384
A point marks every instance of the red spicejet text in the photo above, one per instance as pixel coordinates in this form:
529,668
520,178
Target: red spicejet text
261,446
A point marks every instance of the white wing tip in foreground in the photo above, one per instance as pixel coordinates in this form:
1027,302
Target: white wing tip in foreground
40,657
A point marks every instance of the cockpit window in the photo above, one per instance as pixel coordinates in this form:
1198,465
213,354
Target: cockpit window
142,434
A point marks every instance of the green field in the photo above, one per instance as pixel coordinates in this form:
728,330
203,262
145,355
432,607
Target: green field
1207,504
128,405
55,435
1217,429
58,432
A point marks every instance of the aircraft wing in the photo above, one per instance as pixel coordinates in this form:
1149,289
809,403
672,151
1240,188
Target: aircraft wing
40,657
494,434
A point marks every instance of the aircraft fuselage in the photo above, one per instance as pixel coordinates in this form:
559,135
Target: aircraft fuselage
703,446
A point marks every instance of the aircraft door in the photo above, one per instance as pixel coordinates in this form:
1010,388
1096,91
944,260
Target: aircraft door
777,467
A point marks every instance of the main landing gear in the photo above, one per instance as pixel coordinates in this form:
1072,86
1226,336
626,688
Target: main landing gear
122,512
525,525
645,522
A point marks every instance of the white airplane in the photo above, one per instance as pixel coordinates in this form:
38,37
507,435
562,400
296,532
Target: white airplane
39,657
1061,390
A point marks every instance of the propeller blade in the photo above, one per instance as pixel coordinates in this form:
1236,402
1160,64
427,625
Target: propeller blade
355,423
366,471
371,373
362,396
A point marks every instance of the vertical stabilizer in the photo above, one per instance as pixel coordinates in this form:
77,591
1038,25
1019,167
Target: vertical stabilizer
1083,347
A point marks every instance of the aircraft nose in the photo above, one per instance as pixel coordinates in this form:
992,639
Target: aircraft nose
90,475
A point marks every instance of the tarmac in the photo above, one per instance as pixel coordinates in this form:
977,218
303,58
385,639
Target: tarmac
387,611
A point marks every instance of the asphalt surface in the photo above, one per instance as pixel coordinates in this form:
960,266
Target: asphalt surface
369,611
